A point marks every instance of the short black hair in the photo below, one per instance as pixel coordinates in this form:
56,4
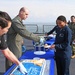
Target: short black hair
3,22
5,15
62,18
72,16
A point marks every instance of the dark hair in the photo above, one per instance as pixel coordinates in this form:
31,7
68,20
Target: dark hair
62,18
5,15
72,16
3,22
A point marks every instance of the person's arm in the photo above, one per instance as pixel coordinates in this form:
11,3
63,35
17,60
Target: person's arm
9,55
50,32
21,29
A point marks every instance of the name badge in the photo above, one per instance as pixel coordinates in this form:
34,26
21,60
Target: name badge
61,35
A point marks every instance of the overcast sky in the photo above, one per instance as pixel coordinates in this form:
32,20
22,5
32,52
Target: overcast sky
40,10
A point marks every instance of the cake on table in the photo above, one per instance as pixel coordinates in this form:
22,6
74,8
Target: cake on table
33,66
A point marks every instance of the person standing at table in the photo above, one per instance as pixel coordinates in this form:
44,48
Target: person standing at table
5,24
72,27
17,32
62,46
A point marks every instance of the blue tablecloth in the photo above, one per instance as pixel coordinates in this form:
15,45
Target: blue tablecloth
30,55
50,41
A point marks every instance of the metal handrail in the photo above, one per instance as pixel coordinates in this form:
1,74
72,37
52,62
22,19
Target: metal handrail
31,27
47,28
35,28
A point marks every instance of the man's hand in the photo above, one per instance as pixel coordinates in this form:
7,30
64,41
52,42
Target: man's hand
42,40
22,69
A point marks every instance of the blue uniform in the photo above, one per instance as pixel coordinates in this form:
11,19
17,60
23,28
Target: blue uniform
63,49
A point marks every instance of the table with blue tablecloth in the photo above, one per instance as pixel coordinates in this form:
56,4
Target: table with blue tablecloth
29,54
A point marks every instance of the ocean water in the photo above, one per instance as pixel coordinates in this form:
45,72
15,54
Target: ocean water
39,27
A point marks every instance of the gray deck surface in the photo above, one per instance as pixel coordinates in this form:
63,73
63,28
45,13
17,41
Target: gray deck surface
29,45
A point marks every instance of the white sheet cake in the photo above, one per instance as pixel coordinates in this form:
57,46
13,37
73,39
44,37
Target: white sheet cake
33,66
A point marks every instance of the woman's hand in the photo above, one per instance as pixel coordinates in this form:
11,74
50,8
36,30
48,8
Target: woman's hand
52,46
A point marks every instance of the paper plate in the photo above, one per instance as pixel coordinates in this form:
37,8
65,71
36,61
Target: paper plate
47,46
39,52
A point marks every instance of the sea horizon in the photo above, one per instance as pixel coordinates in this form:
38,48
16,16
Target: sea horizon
48,23
39,27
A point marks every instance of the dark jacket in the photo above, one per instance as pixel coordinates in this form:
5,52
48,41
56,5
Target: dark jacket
62,40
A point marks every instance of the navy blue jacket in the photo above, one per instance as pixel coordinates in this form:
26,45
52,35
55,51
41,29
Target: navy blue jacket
62,40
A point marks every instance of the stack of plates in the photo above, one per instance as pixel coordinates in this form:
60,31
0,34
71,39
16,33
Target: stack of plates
39,52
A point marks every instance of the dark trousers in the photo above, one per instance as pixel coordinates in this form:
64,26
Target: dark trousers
62,64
